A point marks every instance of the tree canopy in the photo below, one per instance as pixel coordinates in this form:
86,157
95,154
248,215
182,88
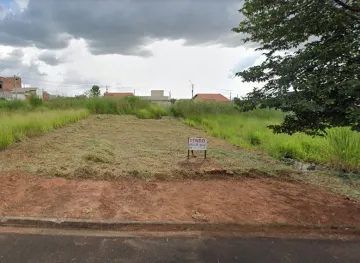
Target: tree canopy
95,91
312,65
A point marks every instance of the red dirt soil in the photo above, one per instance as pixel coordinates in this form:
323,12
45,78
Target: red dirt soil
248,201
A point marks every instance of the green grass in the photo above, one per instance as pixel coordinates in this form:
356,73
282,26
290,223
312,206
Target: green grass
15,126
340,149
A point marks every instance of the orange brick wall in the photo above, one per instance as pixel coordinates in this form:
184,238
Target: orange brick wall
8,83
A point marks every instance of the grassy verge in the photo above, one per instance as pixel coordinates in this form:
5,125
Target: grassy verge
15,126
340,149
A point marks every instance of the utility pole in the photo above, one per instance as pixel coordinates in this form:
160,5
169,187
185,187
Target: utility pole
107,89
134,92
230,95
15,87
192,90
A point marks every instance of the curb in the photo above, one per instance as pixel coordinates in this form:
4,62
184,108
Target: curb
150,226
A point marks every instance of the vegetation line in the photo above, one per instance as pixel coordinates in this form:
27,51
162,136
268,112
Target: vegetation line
15,126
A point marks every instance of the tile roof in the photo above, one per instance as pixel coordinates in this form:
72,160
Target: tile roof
215,97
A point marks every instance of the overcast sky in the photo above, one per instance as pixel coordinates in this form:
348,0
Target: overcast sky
66,46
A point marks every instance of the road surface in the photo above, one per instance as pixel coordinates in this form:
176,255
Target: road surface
29,248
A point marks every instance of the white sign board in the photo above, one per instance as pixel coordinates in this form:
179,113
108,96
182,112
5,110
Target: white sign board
197,144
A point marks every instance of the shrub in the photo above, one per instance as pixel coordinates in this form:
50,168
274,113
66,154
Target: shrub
255,138
345,148
13,104
144,114
35,101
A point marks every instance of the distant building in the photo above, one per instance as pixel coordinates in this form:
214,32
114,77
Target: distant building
157,97
46,96
8,84
118,94
5,95
25,93
211,97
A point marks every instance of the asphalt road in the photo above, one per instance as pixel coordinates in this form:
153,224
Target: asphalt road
25,248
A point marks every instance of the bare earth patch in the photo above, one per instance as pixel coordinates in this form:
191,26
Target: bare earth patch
248,201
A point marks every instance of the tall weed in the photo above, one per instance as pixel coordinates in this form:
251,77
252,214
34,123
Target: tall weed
16,126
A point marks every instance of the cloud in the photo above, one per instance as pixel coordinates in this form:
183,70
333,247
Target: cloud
22,3
50,58
246,61
17,53
122,26
12,63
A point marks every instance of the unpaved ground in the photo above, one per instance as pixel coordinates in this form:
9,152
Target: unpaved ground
248,201
108,147
38,178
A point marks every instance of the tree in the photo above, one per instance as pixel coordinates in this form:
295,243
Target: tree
95,91
312,65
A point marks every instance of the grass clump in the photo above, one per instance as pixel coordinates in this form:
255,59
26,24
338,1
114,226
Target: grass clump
13,105
188,108
340,149
15,126
35,101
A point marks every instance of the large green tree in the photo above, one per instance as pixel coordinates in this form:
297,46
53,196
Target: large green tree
312,65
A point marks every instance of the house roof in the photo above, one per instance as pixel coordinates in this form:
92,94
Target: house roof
215,97
118,94
23,90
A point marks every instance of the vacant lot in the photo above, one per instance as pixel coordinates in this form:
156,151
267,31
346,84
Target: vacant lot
110,147
95,168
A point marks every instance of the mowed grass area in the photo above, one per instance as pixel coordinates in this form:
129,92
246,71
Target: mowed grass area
108,147
16,126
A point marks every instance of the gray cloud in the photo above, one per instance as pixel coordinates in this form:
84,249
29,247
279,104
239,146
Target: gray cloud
122,26
245,62
11,64
50,58
16,53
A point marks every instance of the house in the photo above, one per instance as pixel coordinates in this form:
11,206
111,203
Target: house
118,94
211,97
25,93
9,83
157,97
46,96
5,95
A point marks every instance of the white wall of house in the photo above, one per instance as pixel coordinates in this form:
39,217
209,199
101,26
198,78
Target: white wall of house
39,93
17,96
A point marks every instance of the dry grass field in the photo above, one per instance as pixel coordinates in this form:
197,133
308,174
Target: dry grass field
108,147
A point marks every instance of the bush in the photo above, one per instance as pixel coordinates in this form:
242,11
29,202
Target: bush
13,104
345,148
144,114
35,101
189,108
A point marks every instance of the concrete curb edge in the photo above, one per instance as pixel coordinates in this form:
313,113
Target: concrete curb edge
103,225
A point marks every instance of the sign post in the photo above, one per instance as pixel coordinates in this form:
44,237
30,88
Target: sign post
197,144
